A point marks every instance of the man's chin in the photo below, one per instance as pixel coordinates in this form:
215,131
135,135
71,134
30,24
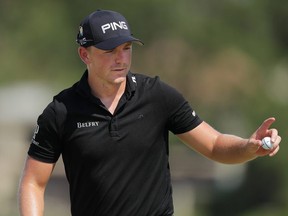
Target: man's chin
120,79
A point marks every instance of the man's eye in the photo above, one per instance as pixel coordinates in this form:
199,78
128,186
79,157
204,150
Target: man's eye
128,47
108,51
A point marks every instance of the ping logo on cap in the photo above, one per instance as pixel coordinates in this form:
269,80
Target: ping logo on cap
114,26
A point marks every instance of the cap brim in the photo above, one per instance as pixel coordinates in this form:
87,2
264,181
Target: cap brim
112,43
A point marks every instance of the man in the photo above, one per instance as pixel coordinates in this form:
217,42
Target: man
112,128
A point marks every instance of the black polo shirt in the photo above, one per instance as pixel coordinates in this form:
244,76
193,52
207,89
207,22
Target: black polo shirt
116,165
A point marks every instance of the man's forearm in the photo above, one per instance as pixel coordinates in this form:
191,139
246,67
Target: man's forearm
31,201
232,149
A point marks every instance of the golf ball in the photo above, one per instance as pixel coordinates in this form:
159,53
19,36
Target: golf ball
266,143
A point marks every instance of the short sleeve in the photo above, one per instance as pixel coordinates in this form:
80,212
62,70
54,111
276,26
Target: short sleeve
46,145
181,116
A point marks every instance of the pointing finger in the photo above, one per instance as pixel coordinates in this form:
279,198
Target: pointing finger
264,127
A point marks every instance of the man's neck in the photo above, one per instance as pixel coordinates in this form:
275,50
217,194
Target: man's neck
109,94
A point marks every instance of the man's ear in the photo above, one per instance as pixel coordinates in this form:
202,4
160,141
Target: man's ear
83,54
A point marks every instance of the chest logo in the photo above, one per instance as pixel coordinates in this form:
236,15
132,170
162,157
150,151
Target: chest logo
87,124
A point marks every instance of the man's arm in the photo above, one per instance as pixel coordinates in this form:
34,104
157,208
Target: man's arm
33,182
227,148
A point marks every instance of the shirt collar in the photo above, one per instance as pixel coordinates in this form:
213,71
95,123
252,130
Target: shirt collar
131,85
84,89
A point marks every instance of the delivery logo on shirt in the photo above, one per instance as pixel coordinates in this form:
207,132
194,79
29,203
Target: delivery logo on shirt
87,124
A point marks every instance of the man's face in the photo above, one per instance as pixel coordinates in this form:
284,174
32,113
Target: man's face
110,66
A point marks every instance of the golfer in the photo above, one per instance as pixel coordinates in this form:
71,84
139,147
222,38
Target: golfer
111,128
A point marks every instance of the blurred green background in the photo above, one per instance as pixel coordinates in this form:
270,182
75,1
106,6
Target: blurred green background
229,58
